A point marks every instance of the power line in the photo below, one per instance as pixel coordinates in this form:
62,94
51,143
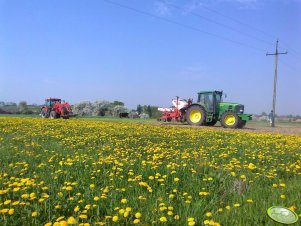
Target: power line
239,22
292,68
251,27
181,24
216,22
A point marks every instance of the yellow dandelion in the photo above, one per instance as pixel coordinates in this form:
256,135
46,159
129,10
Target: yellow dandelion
138,215
208,214
11,211
7,202
124,201
115,218
163,219
83,216
282,196
136,221
76,209
71,220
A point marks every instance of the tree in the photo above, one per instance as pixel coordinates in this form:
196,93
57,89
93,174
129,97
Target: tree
139,109
117,110
264,114
82,108
155,112
88,109
149,111
10,104
101,107
23,107
116,103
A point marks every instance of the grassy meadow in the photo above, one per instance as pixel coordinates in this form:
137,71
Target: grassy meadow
102,172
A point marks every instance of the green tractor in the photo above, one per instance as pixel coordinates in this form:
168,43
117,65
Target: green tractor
209,109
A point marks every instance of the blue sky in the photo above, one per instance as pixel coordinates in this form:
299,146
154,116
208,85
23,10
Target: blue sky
148,52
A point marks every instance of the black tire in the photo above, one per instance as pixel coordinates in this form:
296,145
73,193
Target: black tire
53,115
169,119
212,123
230,120
44,113
196,115
65,113
241,123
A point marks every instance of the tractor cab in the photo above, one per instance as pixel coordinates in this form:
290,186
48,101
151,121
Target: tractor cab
210,100
51,101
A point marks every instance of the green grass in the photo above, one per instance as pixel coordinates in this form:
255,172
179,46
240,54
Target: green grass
99,168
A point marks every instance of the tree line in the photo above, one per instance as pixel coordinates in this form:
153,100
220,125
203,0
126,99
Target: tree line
86,108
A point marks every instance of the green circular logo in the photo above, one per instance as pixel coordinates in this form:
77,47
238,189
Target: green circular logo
282,215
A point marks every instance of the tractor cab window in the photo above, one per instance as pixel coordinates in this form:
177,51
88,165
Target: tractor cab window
218,98
55,101
50,102
207,100
47,103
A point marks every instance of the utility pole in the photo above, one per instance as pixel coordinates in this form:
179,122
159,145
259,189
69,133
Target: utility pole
275,80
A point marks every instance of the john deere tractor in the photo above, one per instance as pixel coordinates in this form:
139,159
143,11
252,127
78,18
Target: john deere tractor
209,109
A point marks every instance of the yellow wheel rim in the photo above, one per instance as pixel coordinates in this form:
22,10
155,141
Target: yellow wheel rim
230,120
195,116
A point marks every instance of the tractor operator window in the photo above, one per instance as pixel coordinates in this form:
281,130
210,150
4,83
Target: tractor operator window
209,101
218,98
47,102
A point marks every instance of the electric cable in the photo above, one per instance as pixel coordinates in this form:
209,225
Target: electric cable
181,24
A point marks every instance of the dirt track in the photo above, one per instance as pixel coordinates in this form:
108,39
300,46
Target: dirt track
253,127
283,129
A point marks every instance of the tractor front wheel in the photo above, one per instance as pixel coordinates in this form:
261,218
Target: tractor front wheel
230,120
53,114
196,115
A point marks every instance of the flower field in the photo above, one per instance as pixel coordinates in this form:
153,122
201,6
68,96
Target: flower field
88,172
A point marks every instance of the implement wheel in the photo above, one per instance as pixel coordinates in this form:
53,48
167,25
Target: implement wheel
196,115
230,120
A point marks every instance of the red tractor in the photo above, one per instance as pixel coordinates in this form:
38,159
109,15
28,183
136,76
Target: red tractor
55,108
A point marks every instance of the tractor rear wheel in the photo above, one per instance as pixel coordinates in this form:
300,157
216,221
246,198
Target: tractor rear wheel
65,113
53,115
230,120
196,115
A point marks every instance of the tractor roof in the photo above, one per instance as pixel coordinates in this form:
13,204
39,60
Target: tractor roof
215,91
52,98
